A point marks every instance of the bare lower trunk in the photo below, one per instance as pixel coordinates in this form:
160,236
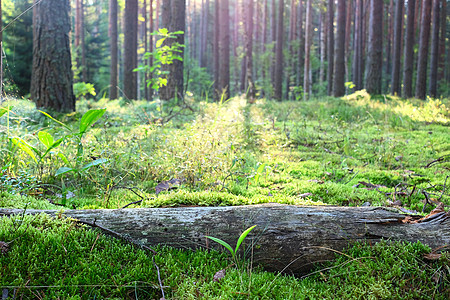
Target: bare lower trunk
288,238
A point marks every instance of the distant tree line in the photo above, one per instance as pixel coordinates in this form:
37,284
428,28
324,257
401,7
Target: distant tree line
281,49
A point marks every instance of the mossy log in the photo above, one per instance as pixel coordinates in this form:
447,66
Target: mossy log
288,238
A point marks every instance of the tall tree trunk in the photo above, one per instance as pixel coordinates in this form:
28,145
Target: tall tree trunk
308,41
301,40
398,22
174,19
323,30
273,23
264,66
375,46
52,78
434,49
291,63
278,92
145,33
330,71
250,92
150,47
422,61
409,51
348,31
389,18
80,44
130,49
224,68
217,92
339,51
358,47
114,74
443,23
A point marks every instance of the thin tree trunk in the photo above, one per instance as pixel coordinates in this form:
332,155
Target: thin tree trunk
330,71
130,49
375,46
286,238
308,41
409,51
339,51
278,92
114,72
395,83
443,23
250,91
273,23
390,37
322,44
150,47
422,61
224,68
217,92
434,49
358,50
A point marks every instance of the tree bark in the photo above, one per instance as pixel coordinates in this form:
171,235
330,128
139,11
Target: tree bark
358,47
250,91
434,49
217,92
130,49
375,48
113,82
287,238
409,51
308,41
422,61
52,78
224,68
398,22
330,71
339,51
278,86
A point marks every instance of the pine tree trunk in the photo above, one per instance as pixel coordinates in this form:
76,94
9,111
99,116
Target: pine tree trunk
434,49
330,71
113,82
443,23
130,49
250,91
52,78
375,48
224,68
308,41
339,51
150,46
217,92
357,46
409,51
278,92
422,61
395,83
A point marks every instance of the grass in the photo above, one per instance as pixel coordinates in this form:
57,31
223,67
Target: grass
350,151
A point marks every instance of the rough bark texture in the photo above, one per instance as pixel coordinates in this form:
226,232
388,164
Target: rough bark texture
422,61
409,51
130,49
278,84
290,237
175,78
339,51
358,47
375,48
395,83
52,78
113,82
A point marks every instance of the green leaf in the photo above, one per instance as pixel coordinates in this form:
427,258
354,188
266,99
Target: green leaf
259,171
24,146
160,42
63,170
52,146
4,110
46,138
94,163
54,120
89,118
223,243
64,159
242,237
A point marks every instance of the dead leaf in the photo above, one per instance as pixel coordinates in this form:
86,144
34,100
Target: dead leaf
219,275
168,185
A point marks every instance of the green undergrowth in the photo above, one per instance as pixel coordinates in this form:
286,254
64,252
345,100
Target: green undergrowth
348,151
53,258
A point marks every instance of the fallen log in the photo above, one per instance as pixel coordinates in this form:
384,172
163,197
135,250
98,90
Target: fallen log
288,238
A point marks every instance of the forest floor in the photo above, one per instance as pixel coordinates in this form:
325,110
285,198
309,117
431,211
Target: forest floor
352,151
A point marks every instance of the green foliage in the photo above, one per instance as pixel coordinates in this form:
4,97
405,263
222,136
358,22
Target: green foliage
81,89
238,244
163,55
